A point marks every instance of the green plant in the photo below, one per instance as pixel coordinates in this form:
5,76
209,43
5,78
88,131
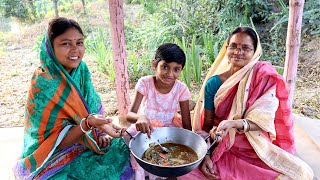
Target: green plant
37,45
98,45
274,41
311,18
139,64
209,47
149,5
186,73
200,28
132,2
5,24
194,63
279,69
190,17
201,25
196,60
134,66
65,6
22,10
280,17
2,51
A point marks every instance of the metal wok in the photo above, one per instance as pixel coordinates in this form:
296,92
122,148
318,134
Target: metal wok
140,143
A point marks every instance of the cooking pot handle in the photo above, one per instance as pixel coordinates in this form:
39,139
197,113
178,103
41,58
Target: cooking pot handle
213,143
129,134
126,142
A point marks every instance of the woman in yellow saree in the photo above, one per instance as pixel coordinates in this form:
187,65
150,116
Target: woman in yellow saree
63,139
246,105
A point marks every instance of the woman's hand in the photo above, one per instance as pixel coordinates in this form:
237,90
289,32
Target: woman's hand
104,141
213,134
225,126
104,124
207,167
143,124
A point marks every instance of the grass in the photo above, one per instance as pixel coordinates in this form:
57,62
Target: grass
2,51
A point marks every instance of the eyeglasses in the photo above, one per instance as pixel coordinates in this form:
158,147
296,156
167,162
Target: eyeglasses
244,49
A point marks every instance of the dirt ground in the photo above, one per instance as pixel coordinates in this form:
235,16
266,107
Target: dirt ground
307,96
18,59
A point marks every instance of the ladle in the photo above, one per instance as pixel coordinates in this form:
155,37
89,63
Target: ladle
164,149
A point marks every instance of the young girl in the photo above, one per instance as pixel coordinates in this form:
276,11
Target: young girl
161,95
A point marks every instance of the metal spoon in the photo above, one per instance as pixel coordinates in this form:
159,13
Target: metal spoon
164,149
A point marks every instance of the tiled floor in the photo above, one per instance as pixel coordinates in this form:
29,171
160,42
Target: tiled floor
306,132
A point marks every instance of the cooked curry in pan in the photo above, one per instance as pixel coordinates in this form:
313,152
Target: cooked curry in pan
178,155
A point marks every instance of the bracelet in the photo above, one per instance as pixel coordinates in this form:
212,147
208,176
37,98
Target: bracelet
246,126
88,131
87,122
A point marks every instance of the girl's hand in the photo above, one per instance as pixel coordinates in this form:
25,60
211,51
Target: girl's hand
143,124
104,124
207,168
104,141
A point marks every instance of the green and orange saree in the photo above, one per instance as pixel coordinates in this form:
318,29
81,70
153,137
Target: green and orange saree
57,101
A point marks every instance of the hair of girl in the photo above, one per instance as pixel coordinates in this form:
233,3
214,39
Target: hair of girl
170,52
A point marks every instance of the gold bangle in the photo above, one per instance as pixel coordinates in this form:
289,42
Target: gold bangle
88,131
87,122
249,127
245,126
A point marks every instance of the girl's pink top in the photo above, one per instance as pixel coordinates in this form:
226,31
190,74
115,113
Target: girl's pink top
159,106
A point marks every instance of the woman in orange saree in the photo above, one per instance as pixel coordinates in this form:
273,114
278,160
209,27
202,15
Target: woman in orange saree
62,138
246,104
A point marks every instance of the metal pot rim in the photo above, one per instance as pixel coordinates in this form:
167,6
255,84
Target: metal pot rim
194,162
179,166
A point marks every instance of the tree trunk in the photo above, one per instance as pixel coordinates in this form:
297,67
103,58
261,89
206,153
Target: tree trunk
84,6
293,45
119,55
55,6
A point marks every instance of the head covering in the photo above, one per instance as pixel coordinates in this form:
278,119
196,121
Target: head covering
219,66
251,92
56,101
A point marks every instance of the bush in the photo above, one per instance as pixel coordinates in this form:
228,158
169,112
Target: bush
18,9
